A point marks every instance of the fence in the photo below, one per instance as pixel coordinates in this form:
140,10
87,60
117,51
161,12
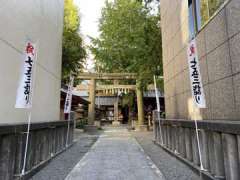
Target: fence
46,140
219,144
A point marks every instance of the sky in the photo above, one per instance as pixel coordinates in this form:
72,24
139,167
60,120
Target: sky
90,12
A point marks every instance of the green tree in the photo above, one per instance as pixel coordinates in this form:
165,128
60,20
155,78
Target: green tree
147,3
130,40
213,5
73,52
208,8
204,12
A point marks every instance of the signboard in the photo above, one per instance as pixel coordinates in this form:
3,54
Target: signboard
68,101
195,76
24,92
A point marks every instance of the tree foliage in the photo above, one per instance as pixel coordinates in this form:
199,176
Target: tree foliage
130,40
73,52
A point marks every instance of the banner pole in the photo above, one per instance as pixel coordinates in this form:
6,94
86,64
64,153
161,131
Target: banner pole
69,118
68,105
30,112
198,141
26,144
158,109
196,88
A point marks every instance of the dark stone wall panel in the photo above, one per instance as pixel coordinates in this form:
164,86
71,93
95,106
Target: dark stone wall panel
45,141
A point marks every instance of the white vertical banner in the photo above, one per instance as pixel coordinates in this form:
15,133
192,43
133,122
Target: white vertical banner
196,88
195,76
158,109
68,101
24,92
68,105
25,88
156,94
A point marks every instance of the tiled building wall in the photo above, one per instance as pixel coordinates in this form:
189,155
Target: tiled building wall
219,54
42,22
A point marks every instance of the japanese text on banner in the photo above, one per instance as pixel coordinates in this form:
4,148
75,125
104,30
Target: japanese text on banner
195,76
24,92
68,101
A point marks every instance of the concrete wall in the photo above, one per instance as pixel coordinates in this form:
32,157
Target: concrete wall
219,53
42,22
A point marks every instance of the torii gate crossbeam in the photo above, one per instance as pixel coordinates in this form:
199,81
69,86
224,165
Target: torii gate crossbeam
107,76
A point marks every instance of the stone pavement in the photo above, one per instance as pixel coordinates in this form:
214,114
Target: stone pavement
115,156
172,168
60,166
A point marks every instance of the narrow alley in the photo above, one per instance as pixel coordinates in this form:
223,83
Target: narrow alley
115,153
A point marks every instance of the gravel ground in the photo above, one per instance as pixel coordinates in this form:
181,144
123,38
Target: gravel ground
60,166
172,168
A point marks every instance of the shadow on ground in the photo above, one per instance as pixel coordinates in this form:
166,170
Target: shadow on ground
172,168
60,166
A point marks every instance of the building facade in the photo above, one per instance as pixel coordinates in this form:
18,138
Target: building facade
215,25
41,21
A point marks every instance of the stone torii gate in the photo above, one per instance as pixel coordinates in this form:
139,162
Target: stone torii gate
112,76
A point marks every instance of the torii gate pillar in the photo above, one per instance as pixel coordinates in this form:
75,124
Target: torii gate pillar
140,125
116,122
91,106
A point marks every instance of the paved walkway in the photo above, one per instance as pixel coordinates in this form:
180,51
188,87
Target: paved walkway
60,166
115,156
172,168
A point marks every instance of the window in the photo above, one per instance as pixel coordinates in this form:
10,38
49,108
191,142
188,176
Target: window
191,20
194,17
208,8
200,11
